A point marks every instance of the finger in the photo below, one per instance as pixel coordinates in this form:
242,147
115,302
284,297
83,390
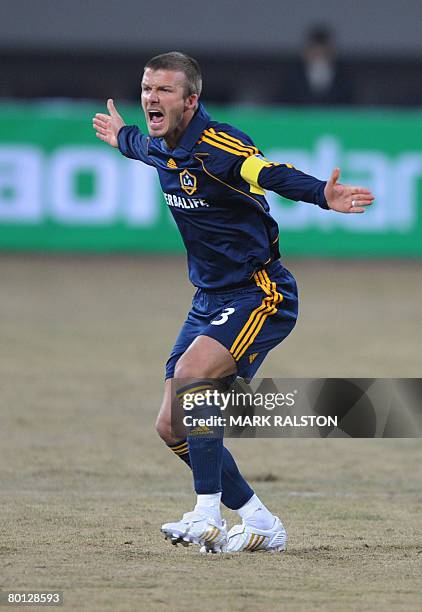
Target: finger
100,128
356,209
335,175
100,124
110,107
101,136
362,198
355,190
102,117
364,203
103,133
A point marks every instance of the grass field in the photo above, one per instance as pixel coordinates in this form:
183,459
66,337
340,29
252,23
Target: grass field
86,483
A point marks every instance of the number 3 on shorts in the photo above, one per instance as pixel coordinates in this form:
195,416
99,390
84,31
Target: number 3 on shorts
224,316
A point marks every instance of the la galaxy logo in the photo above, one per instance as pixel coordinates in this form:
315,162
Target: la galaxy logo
188,182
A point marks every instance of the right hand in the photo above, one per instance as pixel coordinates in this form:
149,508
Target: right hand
346,198
108,126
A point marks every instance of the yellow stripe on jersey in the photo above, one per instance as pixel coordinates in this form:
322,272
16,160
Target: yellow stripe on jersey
224,146
223,141
258,316
234,141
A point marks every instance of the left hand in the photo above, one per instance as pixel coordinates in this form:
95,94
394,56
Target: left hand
346,198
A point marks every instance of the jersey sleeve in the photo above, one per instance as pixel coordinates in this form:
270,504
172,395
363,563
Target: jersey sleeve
284,179
133,144
225,149
234,157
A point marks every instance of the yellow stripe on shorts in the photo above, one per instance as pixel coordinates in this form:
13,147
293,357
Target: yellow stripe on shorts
258,316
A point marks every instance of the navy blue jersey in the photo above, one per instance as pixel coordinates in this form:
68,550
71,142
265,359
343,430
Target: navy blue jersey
214,183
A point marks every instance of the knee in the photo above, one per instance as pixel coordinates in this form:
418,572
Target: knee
163,428
186,368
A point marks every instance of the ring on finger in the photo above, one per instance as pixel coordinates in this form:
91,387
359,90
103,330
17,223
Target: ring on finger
353,203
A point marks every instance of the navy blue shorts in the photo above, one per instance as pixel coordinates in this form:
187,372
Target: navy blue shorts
249,321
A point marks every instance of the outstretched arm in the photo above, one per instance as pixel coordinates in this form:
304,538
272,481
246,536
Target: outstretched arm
293,184
107,127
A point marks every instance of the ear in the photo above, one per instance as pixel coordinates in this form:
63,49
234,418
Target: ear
191,102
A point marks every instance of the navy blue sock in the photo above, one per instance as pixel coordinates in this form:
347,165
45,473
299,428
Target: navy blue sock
235,490
197,401
206,457
214,469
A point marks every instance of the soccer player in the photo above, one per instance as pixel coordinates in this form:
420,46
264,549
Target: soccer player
214,181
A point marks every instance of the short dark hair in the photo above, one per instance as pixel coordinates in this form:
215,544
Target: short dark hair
177,61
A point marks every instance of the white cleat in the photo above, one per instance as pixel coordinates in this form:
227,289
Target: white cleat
196,528
246,538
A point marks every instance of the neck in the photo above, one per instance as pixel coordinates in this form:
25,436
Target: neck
172,139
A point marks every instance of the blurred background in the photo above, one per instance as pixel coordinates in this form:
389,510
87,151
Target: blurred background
338,52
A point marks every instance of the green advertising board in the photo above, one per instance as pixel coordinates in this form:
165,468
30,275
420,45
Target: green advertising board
63,190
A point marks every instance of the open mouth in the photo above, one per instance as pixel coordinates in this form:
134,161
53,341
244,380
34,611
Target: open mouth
156,117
